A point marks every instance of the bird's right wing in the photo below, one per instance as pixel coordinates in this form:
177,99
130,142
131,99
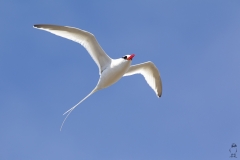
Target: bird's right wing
86,39
150,73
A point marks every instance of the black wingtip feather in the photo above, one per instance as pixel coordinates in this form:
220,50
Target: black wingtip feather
36,26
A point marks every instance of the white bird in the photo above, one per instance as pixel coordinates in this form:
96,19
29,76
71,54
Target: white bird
110,70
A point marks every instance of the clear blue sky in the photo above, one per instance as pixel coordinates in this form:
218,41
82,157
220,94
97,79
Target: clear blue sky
194,44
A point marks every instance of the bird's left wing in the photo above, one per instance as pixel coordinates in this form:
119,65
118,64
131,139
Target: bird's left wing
150,73
86,39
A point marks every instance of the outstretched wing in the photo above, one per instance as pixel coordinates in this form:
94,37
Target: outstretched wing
150,73
86,39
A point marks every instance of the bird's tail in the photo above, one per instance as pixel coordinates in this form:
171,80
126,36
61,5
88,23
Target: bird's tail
68,112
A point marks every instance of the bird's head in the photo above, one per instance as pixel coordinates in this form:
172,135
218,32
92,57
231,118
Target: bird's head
128,57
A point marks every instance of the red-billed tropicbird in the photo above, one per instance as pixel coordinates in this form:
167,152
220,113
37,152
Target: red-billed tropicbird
110,70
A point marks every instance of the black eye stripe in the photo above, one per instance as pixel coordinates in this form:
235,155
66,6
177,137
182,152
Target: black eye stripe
124,57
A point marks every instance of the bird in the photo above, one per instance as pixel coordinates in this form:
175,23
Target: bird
110,70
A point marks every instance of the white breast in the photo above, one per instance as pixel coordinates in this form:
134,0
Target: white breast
113,73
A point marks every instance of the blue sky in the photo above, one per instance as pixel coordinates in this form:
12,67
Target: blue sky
194,44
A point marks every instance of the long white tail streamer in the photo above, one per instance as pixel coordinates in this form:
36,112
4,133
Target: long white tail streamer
71,109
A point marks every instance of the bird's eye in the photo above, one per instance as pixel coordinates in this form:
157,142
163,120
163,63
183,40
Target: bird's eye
124,57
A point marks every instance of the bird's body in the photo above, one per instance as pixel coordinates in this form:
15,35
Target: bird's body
113,72
110,70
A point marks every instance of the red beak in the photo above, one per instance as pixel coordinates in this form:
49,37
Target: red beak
131,57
